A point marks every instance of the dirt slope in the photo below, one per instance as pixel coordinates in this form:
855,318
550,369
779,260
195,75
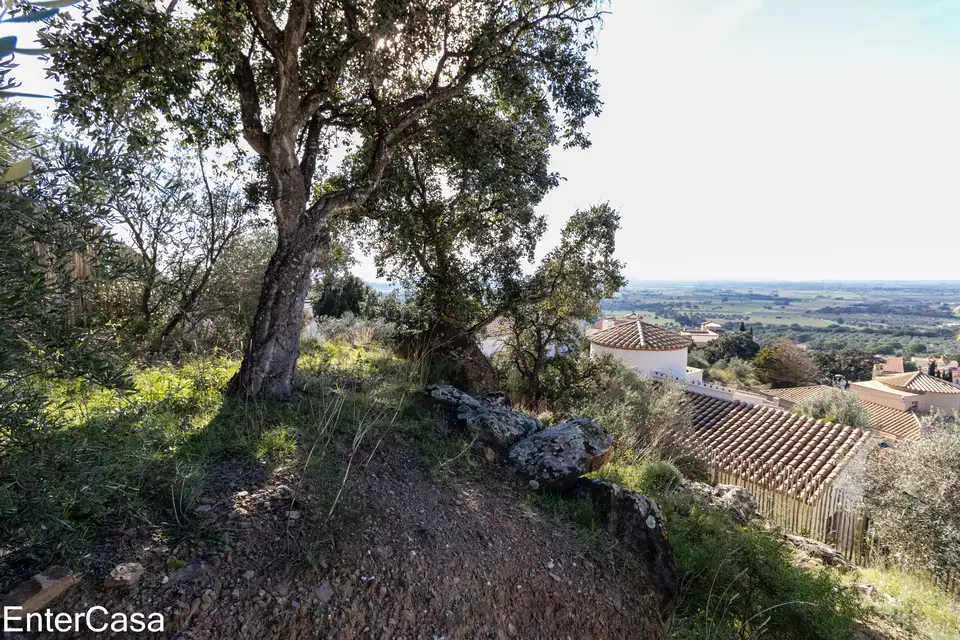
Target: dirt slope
410,555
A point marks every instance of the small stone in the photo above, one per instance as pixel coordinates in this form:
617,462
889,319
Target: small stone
555,577
324,592
533,484
490,455
293,515
383,553
124,575
249,574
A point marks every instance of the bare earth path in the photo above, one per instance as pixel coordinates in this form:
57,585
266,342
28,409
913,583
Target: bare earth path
410,555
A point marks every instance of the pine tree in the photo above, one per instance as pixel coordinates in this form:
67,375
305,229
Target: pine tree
743,327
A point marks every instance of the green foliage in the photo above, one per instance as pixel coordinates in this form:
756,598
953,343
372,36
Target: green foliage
923,609
739,581
653,477
784,365
53,256
339,295
911,491
117,460
835,405
566,290
730,345
854,364
732,371
647,418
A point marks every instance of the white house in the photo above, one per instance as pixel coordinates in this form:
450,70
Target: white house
647,348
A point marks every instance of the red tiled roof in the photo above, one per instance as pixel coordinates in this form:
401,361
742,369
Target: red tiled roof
892,364
640,336
787,452
886,420
918,381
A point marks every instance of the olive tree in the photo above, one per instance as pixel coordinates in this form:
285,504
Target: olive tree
300,79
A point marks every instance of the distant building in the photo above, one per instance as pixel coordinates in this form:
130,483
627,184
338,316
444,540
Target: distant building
647,348
708,332
887,365
909,391
886,421
942,364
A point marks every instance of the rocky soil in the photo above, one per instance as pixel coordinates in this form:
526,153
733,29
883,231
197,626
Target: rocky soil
407,554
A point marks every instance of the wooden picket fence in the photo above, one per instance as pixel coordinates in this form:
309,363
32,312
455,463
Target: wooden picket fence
833,518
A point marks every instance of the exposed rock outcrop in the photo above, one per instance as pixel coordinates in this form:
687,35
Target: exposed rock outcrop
487,418
817,553
636,520
556,457
736,501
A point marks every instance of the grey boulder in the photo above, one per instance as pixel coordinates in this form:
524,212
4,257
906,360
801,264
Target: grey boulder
450,397
636,520
736,501
558,456
498,427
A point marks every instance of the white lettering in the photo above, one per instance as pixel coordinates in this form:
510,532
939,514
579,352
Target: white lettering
62,622
90,623
8,617
119,623
155,618
137,623
38,618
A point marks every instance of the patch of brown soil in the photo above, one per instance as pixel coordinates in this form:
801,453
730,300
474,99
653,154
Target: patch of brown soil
408,556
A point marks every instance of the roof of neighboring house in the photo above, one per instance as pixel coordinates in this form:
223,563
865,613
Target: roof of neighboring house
640,336
796,394
917,381
785,451
892,364
886,420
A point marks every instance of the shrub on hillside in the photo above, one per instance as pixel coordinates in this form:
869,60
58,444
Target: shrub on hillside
911,491
784,365
740,581
647,418
835,405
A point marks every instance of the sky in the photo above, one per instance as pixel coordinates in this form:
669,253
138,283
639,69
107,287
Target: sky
769,139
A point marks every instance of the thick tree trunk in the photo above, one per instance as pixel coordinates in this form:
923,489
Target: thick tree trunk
274,345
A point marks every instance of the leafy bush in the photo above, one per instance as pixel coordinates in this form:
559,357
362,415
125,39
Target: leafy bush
732,371
911,491
354,329
730,345
784,365
835,405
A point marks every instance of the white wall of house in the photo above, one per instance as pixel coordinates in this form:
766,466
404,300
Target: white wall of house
946,402
901,401
646,362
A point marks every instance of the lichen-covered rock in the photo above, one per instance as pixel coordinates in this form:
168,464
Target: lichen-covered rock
636,520
735,501
498,427
450,397
813,552
558,456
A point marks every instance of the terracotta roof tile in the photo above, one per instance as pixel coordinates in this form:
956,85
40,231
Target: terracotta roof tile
640,336
888,421
918,381
892,364
787,452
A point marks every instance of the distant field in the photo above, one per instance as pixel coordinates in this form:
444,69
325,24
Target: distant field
898,314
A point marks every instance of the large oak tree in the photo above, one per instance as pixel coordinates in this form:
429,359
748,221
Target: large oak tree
303,79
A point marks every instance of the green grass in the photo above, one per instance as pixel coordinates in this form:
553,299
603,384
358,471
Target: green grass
926,611
739,581
110,460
